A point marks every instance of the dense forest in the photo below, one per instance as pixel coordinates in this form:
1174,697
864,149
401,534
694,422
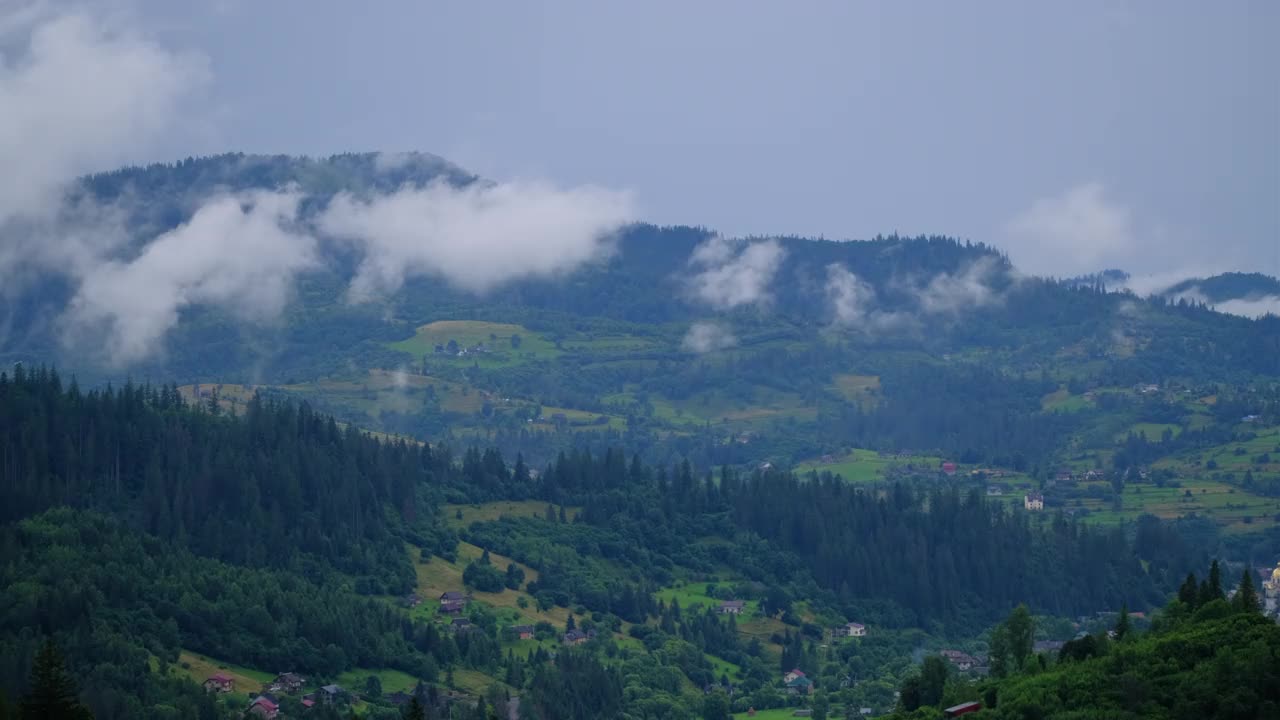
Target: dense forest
139,525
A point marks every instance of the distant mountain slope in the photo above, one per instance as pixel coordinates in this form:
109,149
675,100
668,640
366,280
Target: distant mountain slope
1227,286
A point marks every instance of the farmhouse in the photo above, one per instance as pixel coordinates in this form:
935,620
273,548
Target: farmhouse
801,685
411,600
792,675
575,637
962,660
287,682
521,632
854,629
994,490
453,596
460,625
1033,501
732,607
330,694
948,468
263,707
219,682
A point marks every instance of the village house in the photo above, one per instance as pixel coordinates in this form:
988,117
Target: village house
263,707
220,682
521,632
732,607
460,625
994,490
331,694
962,660
575,637
290,683
854,629
453,596
1033,501
792,675
411,600
800,685
948,468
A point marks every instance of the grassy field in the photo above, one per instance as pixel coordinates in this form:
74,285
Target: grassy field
199,667
866,465
438,576
1063,401
1153,432
1233,508
860,389
488,512
392,680
496,337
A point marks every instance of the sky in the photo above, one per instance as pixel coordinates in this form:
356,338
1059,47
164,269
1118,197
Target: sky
1076,136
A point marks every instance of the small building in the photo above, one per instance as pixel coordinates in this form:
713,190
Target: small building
854,629
792,675
263,707
948,468
331,694
800,686
290,683
962,660
453,607
460,625
453,596
220,682
1033,501
732,607
994,490
962,709
309,701
411,600
521,632
575,637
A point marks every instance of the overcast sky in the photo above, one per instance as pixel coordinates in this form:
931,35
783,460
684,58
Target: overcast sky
1076,135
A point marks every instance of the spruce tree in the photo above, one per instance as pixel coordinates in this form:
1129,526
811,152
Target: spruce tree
1189,593
1246,598
1122,624
414,710
1215,582
53,692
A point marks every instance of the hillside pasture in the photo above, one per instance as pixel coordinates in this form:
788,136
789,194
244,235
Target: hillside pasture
468,334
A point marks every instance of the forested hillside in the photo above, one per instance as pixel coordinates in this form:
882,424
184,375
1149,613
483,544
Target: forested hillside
300,537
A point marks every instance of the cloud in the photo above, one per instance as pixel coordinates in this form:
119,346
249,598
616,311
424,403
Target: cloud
476,237
952,293
705,337
237,252
854,304
78,95
731,273
1078,232
1252,307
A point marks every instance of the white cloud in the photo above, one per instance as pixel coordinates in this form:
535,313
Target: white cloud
1253,307
704,337
1078,232
476,237
952,293
78,96
854,304
239,253
730,273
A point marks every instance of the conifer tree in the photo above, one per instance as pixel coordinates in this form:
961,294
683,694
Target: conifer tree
53,692
1246,598
1189,593
1122,624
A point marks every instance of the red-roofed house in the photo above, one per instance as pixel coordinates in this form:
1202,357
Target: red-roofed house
263,707
220,682
797,673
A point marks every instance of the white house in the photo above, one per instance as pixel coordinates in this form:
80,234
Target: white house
855,629
1033,501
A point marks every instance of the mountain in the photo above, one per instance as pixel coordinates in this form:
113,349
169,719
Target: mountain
1226,287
